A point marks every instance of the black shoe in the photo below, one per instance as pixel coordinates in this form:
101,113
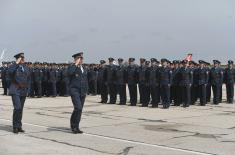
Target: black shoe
77,131
15,130
21,130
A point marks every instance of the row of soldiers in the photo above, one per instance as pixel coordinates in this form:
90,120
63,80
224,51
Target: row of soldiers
176,82
47,79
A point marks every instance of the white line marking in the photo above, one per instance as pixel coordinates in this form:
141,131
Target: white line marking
122,140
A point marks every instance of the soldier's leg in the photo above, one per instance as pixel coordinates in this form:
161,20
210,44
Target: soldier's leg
141,92
153,92
122,94
54,89
74,120
113,93
22,101
16,111
104,93
39,85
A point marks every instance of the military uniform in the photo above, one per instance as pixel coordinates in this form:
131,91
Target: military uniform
52,79
111,81
229,79
175,88
20,78
203,77
165,83
121,75
78,87
132,79
216,76
185,82
154,82
37,77
64,82
102,82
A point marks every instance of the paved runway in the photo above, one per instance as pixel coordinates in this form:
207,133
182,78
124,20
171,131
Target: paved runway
118,130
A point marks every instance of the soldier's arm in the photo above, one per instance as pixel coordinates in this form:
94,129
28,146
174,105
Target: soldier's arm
71,70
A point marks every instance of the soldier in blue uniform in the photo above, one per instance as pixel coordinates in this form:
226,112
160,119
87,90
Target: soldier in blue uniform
165,83
111,81
154,83
37,77
203,77
20,78
142,80
78,86
185,83
132,79
102,82
194,94
175,88
229,79
208,86
52,79
64,81
121,75
92,79
216,76
45,84
3,77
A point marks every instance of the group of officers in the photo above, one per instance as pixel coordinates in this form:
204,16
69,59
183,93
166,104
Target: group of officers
170,83
177,82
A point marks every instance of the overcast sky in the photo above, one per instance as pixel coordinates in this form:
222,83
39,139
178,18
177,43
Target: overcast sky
53,30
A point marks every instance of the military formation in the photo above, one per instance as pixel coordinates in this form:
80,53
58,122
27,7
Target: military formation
149,84
164,82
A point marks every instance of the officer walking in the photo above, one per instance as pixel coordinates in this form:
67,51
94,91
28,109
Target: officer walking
78,86
229,78
20,78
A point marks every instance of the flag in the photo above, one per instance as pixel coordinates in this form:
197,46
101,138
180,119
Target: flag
189,57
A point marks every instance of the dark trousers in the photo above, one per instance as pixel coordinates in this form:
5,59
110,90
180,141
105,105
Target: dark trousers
133,93
176,96
185,95
64,88
141,92
155,95
208,92
202,92
18,104
4,86
216,93
104,92
53,90
78,103
112,93
230,92
194,94
45,88
31,89
93,87
122,93
38,88
165,96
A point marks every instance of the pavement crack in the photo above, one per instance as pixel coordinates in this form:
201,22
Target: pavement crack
126,150
69,144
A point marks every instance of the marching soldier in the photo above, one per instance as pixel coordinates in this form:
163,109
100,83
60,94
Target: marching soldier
121,75
229,78
20,78
78,86
132,79
216,76
165,83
